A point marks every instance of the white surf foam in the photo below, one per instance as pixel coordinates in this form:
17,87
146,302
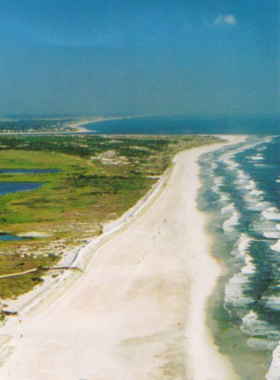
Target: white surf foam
229,224
252,325
218,182
254,196
276,246
266,228
243,244
234,289
272,213
259,205
263,336
256,192
228,209
272,235
242,175
242,179
273,302
249,268
224,197
251,185
231,164
274,370
257,158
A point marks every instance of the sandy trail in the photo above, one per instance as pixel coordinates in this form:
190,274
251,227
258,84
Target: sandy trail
138,312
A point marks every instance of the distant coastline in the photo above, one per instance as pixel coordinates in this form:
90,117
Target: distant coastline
143,125
75,126
181,125
79,127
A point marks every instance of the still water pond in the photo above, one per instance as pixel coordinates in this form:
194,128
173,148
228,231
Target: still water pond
14,187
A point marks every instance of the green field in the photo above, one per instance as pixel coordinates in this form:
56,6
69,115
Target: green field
97,179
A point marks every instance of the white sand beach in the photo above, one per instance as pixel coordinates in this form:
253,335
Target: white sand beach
138,312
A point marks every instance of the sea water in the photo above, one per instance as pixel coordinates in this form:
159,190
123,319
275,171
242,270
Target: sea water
187,124
241,192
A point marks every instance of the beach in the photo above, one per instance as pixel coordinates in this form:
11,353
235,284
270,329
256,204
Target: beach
139,310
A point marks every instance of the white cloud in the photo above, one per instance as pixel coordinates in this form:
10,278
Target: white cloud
225,20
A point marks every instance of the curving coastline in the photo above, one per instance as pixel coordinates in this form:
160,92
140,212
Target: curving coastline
139,311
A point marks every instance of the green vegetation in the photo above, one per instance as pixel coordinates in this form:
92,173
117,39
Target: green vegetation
14,286
36,125
97,179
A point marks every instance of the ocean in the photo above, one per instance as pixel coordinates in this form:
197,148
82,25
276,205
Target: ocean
185,124
241,193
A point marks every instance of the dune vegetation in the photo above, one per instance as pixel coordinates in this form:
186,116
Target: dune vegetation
96,180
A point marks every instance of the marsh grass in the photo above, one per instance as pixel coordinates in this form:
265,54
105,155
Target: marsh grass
86,191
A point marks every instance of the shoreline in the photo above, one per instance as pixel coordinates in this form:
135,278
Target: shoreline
203,348
76,127
100,119
164,273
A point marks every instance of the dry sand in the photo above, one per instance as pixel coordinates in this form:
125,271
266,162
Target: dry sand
138,313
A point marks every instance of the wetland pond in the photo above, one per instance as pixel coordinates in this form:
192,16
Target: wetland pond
15,187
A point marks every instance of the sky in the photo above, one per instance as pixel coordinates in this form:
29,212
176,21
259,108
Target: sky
145,57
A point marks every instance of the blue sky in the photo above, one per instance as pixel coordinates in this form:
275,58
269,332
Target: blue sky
208,57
